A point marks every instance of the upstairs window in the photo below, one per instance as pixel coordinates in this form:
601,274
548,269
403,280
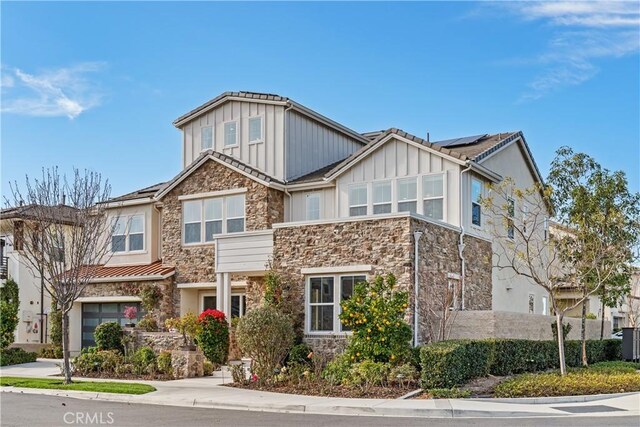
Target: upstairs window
57,252
511,211
532,300
128,234
204,219
255,130
206,138
407,195
230,134
358,200
382,197
433,196
476,195
313,207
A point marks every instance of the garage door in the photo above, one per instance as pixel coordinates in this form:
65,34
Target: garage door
94,314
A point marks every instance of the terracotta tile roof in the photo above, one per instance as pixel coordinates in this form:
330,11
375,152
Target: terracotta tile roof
140,272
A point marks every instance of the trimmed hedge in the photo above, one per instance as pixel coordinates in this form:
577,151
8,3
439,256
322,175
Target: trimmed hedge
451,363
16,356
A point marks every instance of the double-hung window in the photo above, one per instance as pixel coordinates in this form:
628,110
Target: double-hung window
230,134
255,130
511,212
204,219
532,299
325,294
57,252
381,197
312,207
407,195
358,199
206,138
433,196
128,234
476,195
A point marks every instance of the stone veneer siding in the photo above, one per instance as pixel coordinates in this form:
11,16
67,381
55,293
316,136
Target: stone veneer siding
167,307
387,245
264,206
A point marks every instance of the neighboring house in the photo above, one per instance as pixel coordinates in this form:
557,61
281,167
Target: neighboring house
269,182
35,302
627,313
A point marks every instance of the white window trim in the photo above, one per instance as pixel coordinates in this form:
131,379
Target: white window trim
203,221
418,183
224,134
214,294
365,205
473,202
390,202
213,138
337,325
306,206
443,197
126,235
256,141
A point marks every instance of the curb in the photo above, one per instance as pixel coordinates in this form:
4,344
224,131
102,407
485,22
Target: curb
554,399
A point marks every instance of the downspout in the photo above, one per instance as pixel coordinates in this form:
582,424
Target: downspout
416,241
284,153
461,239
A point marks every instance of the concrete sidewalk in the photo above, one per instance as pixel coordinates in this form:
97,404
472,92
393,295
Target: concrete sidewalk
209,392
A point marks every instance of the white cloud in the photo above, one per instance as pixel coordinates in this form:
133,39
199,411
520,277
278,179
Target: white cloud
584,33
64,91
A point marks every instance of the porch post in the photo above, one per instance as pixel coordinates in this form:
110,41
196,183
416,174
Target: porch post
227,295
219,292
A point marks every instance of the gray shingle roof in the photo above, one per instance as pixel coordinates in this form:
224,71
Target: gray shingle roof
64,213
138,194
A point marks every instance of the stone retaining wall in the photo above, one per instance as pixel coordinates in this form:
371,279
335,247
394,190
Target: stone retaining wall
158,341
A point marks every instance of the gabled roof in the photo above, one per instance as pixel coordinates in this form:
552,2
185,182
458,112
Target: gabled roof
138,194
229,161
66,214
271,99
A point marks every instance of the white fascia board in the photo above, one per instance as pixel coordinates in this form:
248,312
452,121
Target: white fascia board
311,185
119,298
338,269
126,203
487,173
222,101
212,194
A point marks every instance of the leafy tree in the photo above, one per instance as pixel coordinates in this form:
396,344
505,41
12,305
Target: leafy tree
9,306
375,315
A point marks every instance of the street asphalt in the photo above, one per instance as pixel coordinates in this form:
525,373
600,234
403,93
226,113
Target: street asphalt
31,410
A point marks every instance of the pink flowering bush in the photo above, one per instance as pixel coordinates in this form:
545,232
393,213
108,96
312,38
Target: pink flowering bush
130,312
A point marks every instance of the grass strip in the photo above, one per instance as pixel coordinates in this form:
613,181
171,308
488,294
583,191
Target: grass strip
95,386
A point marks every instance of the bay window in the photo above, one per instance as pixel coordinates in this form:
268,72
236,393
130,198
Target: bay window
324,296
382,197
204,219
358,200
407,195
433,196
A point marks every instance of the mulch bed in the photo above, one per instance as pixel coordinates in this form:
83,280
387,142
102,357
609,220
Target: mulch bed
321,388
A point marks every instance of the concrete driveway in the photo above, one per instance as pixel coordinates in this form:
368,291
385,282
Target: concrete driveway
40,368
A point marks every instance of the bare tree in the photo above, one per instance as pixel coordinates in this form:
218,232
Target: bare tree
442,307
64,236
632,301
518,220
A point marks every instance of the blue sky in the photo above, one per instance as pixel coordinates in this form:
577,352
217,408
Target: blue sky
97,85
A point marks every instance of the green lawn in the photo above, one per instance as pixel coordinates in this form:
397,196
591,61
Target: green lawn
58,384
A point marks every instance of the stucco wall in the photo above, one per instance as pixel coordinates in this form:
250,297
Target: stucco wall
499,324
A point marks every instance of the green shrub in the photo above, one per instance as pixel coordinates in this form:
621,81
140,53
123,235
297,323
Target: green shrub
299,355
450,363
51,352
368,374
375,315
144,361
150,296
337,371
402,375
448,393
579,382
108,336
207,368
93,360
266,335
148,323
615,366
16,356
55,327
9,306
124,369
213,336
164,362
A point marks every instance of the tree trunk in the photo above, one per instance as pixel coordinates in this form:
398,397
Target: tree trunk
560,330
602,322
66,365
583,333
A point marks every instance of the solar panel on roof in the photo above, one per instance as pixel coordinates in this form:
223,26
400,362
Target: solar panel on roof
466,140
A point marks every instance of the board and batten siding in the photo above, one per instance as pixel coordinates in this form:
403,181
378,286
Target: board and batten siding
312,145
299,204
397,159
266,156
246,252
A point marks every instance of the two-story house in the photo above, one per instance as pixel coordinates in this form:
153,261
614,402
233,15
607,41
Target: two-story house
267,182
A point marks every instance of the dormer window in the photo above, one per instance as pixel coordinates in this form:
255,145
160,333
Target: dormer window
255,130
230,134
206,138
